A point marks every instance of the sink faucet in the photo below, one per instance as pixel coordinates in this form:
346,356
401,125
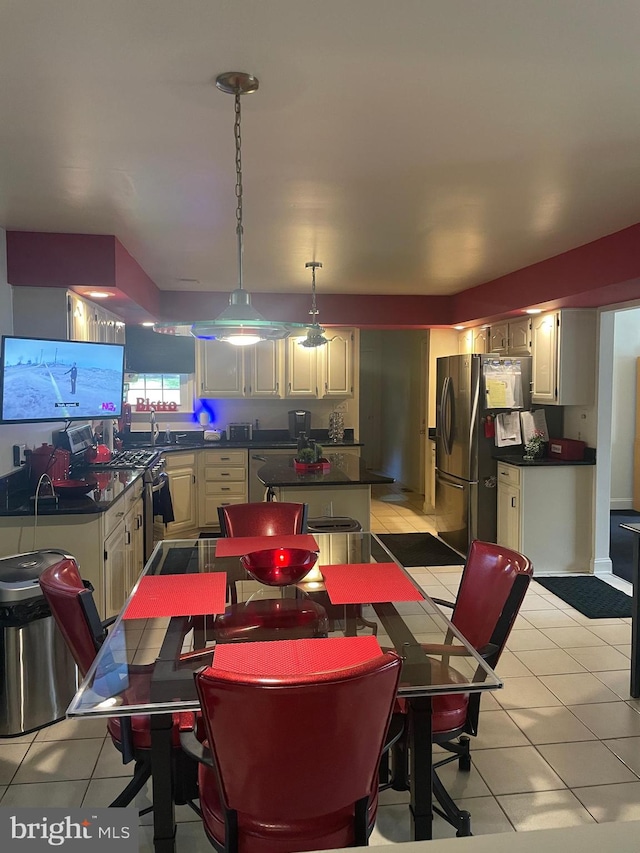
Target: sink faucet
154,427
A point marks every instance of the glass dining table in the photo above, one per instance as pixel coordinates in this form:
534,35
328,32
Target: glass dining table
162,639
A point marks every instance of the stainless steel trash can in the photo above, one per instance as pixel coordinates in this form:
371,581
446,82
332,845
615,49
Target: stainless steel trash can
333,524
38,676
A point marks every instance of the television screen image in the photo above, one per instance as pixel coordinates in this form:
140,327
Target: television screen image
47,380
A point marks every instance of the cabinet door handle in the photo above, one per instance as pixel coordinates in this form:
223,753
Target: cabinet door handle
128,540
193,477
225,474
225,489
326,387
225,459
513,502
277,386
289,387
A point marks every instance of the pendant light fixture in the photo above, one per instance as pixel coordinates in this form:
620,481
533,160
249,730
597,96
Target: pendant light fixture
315,334
239,324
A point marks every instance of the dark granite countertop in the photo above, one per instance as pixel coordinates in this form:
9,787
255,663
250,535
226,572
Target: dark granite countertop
111,484
268,439
346,470
542,462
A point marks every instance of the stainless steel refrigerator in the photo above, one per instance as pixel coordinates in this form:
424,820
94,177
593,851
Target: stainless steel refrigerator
466,494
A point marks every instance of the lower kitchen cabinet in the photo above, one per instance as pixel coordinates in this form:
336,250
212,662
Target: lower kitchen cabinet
545,513
181,471
222,480
108,546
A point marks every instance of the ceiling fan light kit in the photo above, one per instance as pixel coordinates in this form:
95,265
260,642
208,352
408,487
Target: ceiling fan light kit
240,323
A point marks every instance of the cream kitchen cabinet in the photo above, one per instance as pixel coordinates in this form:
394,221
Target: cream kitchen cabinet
222,480
474,340
224,370
98,541
321,372
554,534
51,312
511,337
563,345
181,471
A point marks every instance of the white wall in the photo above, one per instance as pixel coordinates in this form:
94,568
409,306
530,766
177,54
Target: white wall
626,349
402,372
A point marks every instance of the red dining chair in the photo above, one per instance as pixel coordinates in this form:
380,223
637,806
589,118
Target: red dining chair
493,584
74,611
267,518
287,764
284,618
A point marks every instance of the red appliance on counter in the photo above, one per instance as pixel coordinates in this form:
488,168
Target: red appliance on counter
50,460
567,449
98,453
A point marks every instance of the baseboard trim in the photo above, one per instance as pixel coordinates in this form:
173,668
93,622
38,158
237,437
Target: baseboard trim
603,566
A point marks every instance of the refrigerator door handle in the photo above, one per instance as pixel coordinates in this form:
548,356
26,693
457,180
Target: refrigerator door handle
447,415
448,483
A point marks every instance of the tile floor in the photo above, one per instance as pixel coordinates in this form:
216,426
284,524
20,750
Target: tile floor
558,746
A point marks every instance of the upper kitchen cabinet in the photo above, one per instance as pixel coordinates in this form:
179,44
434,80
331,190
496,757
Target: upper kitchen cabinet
321,372
224,370
51,312
511,337
563,345
473,340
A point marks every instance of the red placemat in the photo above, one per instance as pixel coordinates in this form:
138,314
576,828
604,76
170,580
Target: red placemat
178,595
295,657
367,583
236,546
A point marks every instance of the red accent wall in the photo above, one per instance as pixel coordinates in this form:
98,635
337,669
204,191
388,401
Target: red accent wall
603,272
42,259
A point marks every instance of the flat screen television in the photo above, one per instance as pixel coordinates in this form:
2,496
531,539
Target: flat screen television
49,380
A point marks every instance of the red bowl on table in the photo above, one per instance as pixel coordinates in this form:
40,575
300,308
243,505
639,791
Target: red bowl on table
279,566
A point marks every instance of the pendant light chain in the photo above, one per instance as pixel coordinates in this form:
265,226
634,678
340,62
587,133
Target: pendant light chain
239,228
314,308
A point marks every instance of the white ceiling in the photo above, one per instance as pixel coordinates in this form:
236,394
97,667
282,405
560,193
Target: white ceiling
412,146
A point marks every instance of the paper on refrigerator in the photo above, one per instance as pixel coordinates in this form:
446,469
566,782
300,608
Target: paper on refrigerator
508,429
532,422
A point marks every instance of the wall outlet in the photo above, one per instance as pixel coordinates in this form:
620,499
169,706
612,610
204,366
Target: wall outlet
341,407
18,455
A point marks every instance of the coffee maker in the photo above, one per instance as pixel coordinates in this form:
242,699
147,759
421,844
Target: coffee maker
299,421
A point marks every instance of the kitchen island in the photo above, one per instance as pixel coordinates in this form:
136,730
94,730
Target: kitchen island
343,490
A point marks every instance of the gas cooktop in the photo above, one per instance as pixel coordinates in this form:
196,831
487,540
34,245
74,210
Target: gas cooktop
128,459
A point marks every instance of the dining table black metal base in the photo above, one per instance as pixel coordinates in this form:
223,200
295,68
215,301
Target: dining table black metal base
420,768
164,818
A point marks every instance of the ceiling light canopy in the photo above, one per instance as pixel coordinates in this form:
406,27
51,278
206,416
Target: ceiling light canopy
315,333
240,323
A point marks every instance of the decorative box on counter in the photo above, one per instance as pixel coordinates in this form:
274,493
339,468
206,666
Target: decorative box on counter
567,449
322,466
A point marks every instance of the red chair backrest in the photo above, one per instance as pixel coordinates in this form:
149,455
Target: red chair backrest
494,582
294,748
63,588
269,518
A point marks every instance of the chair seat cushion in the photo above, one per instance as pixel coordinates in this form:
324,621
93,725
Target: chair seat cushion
290,618
449,712
321,832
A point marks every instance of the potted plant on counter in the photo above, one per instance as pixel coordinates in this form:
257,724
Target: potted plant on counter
309,458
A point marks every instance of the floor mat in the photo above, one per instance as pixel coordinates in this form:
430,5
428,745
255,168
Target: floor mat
590,595
621,542
417,549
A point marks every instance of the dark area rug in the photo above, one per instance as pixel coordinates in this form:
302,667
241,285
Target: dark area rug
590,595
621,542
416,549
